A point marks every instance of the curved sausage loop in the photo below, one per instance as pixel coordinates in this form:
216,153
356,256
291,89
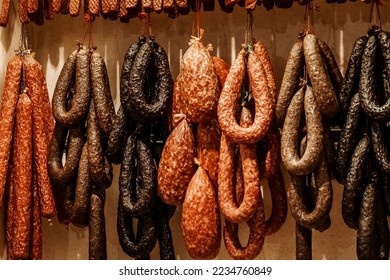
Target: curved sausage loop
261,95
268,153
232,212
368,88
162,87
140,244
304,165
76,66
138,176
323,202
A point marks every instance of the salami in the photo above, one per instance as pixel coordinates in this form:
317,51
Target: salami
7,111
176,166
97,227
201,223
23,192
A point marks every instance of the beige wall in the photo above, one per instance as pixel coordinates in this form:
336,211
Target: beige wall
339,25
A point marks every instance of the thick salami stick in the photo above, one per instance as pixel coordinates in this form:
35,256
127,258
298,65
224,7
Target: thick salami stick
33,73
290,82
23,192
97,226
74,7
23,11
380,149
176,166
101,94
10,210
56,6
354,183
289,142
200,222
320,80
7,113
77,64
221,69
165,241
303,249
261,95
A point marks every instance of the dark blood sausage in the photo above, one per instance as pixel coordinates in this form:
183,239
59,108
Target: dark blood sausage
322,87
303,99
208,138
176,165
165,240
384,41
135,104
232,212
23,194
101,94
36,225
384,182
323,201
99,167
290,81
7,112
139,244
117,137
352,75
201,224
138,176
59,173
268,153
261,95
379,144
353,188
348,138
303,242
365,237
128,62
34,82
368,85
78,65
333,69
382,227
77,203
97,226
279,203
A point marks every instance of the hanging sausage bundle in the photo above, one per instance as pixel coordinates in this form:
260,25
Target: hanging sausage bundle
362,159
83,109
307,105
139,129
26,127
249,151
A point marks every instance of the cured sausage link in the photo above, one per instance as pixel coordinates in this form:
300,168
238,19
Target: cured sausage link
289,141
7,112
23,192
